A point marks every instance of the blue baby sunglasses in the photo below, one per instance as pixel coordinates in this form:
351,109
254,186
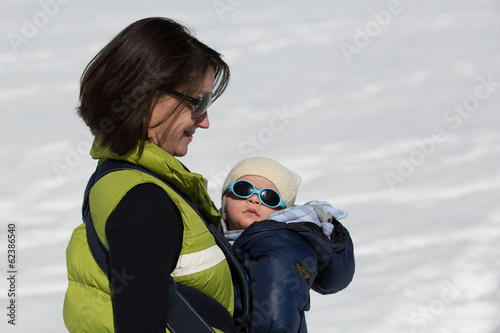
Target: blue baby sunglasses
267,196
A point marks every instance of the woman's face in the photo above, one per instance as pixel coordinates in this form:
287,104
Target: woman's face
175,134
241,213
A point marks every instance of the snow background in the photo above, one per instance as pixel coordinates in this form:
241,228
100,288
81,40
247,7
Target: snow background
425,246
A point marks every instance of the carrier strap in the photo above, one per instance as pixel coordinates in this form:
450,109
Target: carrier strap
188,309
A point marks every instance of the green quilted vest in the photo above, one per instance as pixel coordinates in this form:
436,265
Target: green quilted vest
201,264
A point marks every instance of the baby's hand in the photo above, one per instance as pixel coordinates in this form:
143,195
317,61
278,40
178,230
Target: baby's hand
328,208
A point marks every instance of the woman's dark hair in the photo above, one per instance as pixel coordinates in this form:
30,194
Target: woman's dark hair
121,84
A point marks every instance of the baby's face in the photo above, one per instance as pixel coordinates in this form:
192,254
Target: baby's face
240,213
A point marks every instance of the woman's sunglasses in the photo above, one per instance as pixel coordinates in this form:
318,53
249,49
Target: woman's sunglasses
244,189
200,104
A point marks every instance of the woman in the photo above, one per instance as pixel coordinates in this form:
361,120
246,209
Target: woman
143,97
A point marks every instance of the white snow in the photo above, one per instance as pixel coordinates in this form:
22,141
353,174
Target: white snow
401,133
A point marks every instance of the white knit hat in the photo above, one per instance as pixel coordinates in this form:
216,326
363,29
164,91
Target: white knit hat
286,182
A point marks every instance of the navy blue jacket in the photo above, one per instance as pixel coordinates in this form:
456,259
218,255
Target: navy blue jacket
284,261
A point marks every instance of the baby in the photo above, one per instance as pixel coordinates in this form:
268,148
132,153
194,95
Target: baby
290,250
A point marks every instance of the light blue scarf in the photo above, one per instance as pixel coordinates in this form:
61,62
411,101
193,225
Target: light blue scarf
317,212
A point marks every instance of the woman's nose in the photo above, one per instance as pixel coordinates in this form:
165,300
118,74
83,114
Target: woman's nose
203,121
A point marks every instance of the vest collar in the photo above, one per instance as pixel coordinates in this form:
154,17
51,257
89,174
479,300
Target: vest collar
166,166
